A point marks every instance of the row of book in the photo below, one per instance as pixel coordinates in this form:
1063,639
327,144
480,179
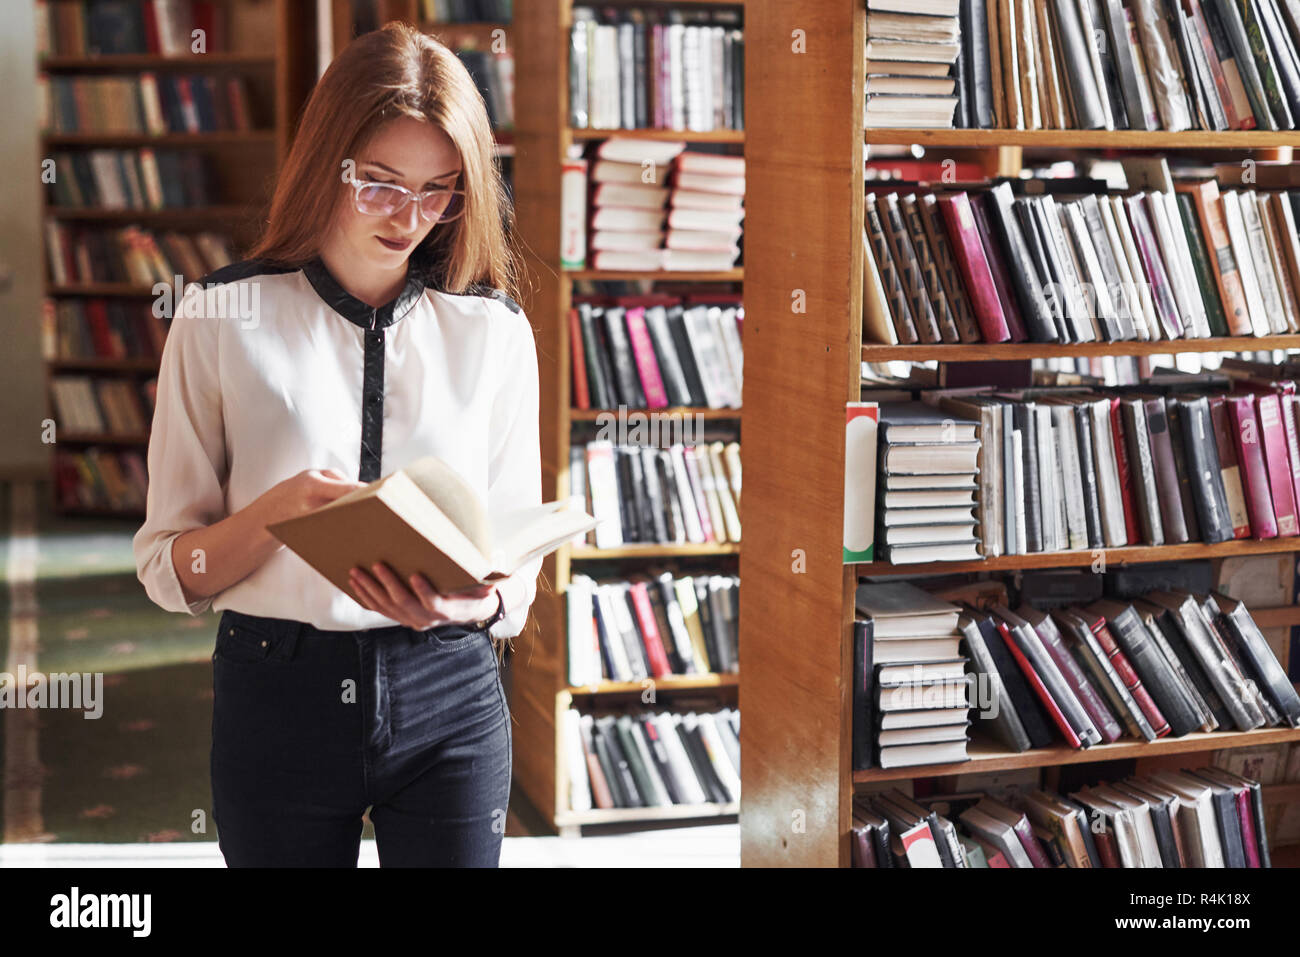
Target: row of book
467,11
130,254
652,627
668,496
1149,65
87,328
652,758
100,478
651,68
1073,469
144,179
494,75
1207,817
1169,662
88,405
152,103
105,27
1074,264
652,205
914,77
652,352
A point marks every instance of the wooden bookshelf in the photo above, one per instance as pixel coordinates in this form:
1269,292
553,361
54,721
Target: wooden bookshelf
1001,351
987,756
800,370
275,53
540,690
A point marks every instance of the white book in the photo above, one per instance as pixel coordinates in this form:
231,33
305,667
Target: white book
690,514
603,482
1126,300
1232,217
730,514
683,769
584,655
660,796
1109,492
618,660
575,759
1187,267
1143,304
1262,262
1075,516
1018,483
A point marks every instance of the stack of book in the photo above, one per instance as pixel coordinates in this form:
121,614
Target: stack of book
100,479
1169,663
100,329
928,464
1133,64
1070,469
909,685
131,179
652,352
652,627
130,254
652,759
150,103
654,68
668,496
912,47
1208,817
639,223
1066,261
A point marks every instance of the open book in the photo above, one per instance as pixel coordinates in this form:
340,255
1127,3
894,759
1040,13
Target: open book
425,518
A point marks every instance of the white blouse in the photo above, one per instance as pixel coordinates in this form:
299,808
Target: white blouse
262,377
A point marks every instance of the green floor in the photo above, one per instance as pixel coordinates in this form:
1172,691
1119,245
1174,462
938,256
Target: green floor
139,772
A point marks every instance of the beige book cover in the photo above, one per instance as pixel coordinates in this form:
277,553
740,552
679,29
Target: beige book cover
425,518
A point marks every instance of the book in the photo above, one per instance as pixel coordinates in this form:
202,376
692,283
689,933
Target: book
424,518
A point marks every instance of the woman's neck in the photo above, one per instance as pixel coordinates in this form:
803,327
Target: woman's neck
371,287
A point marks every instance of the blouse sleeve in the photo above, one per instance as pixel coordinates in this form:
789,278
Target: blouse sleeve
514,471
187,454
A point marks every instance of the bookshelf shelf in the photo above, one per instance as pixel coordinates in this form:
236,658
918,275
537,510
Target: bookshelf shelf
179,216
592,415
990,757
977,352
131,62
632,815
687,136
1087,139
673,683
1133,554
260,138
650,551
90,364
726,275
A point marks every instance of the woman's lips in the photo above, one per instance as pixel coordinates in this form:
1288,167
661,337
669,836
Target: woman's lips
397,245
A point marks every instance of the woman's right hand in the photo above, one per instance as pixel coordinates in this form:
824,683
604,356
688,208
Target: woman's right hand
307,491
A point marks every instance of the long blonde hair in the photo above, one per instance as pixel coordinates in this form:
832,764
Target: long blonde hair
381,75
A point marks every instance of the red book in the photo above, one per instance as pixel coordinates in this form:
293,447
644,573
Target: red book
968,250
1254,473
581,395
647,366
1106,849
1001,278
1040,689
1285,390
645,619
150,29
1272,435
1119,661
1125,475
100,331
1229,467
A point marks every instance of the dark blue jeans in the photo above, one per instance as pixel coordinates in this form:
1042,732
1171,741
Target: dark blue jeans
310,728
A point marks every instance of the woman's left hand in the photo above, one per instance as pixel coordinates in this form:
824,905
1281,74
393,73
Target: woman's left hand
415,604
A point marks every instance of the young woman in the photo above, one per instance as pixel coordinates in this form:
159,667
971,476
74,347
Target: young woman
371,327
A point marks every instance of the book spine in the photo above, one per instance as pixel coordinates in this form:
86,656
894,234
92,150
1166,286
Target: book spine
968,250
1125,472
1078,682
1229,468
1206,479
1254,470
1039,689
890,281
1273,440
1124,669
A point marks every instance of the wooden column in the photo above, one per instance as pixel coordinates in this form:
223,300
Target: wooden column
803,293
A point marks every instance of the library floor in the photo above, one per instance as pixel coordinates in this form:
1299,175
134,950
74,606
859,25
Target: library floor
122,790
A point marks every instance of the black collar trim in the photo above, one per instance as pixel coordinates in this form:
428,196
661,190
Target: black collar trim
353,309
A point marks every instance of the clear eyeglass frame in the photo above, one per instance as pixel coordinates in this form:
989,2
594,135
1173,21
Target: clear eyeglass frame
440,199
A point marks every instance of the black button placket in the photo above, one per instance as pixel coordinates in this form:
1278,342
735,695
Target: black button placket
372,404
373,322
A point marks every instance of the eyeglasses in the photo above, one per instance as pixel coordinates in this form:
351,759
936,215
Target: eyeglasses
389,199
